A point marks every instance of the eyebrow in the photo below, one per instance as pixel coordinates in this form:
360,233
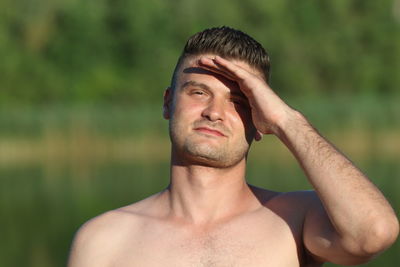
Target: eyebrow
195,84
238,94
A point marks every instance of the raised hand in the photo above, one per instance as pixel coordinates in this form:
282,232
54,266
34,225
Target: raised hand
269,111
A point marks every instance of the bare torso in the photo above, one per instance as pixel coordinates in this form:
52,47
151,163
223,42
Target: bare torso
270,235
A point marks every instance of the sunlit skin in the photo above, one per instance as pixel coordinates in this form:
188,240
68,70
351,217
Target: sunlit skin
210,216
211,131
210,118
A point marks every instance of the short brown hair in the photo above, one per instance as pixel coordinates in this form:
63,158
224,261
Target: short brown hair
227,43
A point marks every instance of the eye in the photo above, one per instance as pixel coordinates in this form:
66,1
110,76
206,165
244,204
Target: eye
197,92
237,101
240,103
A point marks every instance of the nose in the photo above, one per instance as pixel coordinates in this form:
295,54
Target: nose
214,111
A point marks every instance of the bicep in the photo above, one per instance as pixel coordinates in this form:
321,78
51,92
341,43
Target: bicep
322,241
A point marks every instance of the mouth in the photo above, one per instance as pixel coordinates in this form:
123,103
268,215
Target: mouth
209,131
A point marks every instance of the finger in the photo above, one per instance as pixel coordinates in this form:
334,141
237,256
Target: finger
230,67
213,63
210,65
221,72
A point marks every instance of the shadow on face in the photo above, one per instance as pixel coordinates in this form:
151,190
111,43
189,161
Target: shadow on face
244,111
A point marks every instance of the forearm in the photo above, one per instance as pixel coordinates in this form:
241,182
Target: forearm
356,208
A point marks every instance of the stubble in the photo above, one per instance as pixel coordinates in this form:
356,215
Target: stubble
198,148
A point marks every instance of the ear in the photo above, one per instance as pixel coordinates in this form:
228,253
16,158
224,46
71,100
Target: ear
167,103
258,136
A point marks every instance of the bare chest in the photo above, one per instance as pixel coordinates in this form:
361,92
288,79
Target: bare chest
244,243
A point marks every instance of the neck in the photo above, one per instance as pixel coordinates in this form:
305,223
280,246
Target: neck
201,194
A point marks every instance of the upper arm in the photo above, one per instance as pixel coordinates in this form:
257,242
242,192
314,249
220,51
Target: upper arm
322,241
84,247
95,241
77,253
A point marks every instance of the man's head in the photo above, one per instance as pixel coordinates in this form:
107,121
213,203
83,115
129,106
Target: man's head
227,43
210,117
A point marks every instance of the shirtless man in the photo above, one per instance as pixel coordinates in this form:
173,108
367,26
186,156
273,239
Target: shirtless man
218,102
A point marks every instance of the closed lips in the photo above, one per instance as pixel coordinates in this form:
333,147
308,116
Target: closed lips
209,130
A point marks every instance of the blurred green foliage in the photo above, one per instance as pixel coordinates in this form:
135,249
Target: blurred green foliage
123,52
102,66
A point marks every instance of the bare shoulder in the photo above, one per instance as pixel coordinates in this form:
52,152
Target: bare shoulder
304,198
97,239
292,208
294,198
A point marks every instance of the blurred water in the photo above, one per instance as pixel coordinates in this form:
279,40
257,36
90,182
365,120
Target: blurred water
59,168
41,209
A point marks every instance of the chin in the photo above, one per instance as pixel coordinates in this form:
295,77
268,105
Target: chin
205,156
206,162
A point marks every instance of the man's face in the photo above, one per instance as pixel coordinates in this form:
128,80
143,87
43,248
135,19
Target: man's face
210,118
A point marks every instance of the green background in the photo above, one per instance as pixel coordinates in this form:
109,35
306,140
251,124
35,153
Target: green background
81,85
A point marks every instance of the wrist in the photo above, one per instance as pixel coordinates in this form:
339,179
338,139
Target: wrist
291,122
